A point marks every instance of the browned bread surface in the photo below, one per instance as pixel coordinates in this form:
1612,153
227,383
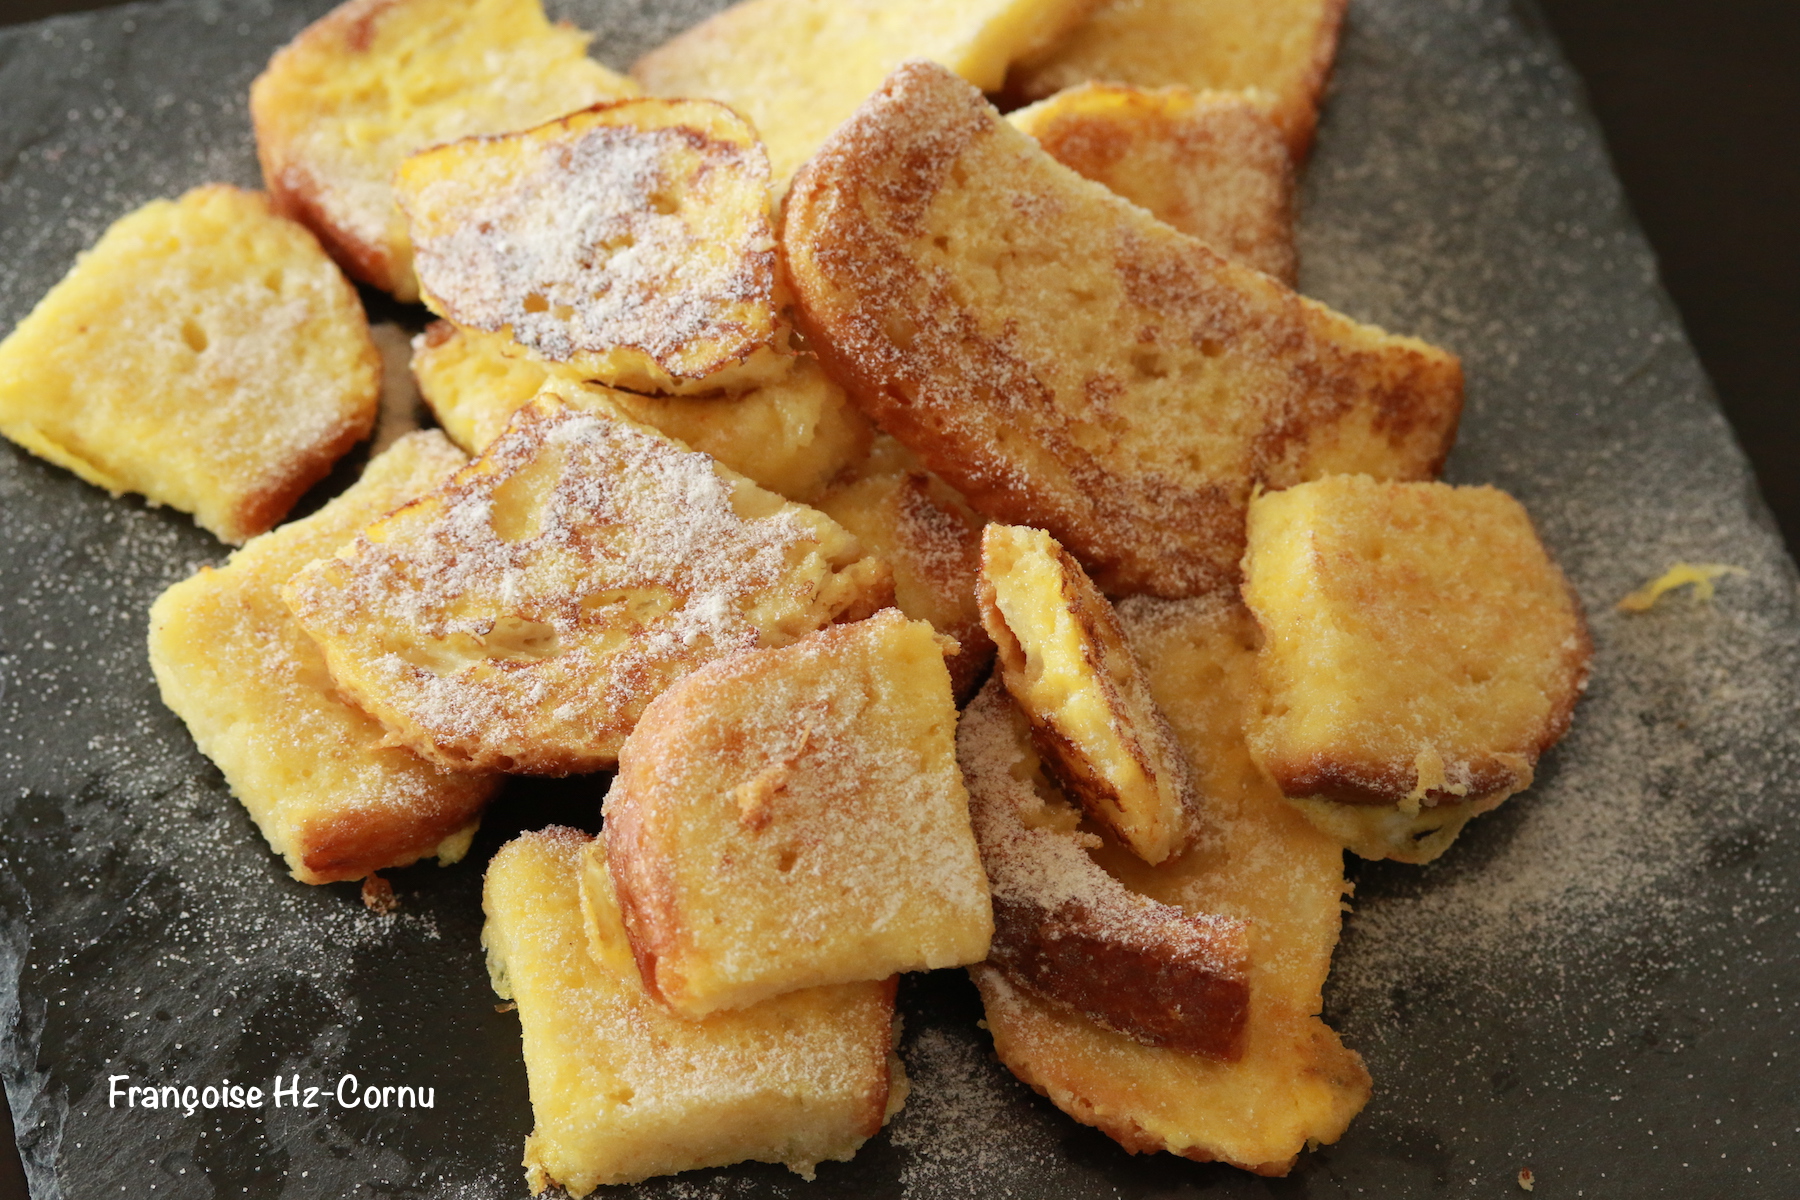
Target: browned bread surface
373,81
1422,650
204,353
622,1089
333,796
794,434
1065,661
1069,931
794,817
1212,164
630,240
928,535
1067,361
520,616
1257,861
1283,47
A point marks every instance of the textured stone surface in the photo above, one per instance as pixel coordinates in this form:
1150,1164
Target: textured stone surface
1597,982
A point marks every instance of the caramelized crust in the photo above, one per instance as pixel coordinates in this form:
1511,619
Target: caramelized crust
1212,164
1067,361
630,241
931,539
1070,932
373,81
204,353
1064,659
1282,47
794,434
1422,651
329,792
521,615
789,818
621,1088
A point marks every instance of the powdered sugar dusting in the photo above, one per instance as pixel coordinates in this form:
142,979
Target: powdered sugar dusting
600,237
524,614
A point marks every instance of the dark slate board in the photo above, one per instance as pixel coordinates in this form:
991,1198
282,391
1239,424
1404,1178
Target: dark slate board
1597,983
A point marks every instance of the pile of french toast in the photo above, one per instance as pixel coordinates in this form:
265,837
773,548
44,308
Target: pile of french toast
945,537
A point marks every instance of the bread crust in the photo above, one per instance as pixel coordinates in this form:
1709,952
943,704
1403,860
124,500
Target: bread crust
1106,378
1065,660
1071,933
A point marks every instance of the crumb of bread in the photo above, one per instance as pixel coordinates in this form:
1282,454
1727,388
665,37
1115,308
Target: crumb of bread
1681,574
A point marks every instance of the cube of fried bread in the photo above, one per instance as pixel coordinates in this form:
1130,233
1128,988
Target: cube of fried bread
1258,861
1071,933
328,790
623,1089
1069,362
1421,651
631,241
794,817
521,615
1212,164
798,68
793,435
931,539
1065,661
205,353
374,81
1282,47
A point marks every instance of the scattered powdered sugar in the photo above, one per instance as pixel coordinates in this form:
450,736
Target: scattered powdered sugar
581,566
609,236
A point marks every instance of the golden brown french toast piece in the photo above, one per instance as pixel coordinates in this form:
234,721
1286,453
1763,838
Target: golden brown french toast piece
330,793
1421,651
1282,47
794,817
520,616
622,1089
931,539
1069,362
1294,1084
1069,932
1065,661
798,68
630,241
793,435
374,81
1212,164
205,353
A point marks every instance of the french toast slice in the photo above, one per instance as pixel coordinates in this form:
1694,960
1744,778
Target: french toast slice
794,817
931,539
374,81
520,616
1258,861
1065,662
631,241
1282,47
1421,652
793,435
1071,933
205,353
1212,164
329,792
622,1089
797,68
1067,361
